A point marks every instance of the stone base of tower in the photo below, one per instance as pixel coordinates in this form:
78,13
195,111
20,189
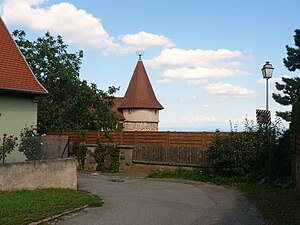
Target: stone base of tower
140,126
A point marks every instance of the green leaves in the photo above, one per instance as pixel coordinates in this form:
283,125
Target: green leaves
80,150
9,142
107,157
295,123
238,153
292,62
72,104
290,86
31,144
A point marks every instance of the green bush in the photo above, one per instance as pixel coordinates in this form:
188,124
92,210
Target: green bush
105,151
255,152
239,153
282,156
8,145
31,144
79,150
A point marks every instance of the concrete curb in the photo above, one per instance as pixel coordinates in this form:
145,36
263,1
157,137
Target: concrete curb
59,215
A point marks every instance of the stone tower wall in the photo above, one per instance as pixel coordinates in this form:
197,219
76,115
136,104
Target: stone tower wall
140,126
140,119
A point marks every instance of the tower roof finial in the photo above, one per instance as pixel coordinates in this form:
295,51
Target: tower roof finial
140,54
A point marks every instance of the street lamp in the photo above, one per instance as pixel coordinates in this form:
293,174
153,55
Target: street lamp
267,72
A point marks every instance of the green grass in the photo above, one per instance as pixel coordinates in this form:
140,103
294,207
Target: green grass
280,205
26,206
197,175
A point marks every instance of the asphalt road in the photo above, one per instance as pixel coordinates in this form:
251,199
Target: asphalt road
134,200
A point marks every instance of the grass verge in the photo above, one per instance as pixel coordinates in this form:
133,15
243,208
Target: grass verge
197,175
21,207
280,205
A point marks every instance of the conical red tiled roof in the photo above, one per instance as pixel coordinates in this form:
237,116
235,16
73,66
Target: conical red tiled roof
139,93
15,74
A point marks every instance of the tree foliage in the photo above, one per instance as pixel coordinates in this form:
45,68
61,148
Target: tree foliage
295,123
292,62
71,103
290,86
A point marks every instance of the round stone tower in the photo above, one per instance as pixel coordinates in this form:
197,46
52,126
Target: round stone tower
140,107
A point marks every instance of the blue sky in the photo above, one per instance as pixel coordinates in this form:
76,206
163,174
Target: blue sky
203,57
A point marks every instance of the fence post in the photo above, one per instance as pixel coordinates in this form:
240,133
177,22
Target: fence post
168,138
135,137
122,136
204,140
98,136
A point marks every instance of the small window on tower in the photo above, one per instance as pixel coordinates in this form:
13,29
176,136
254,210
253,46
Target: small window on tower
155,111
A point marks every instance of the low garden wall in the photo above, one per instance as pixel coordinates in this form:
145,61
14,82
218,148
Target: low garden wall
59,173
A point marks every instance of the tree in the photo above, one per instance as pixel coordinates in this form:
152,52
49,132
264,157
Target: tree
290,86
295,120
72,103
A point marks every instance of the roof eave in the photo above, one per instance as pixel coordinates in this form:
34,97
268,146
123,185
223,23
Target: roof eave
27,92
140,107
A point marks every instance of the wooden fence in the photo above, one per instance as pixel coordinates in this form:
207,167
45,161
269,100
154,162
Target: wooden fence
196,139
170,155
161,148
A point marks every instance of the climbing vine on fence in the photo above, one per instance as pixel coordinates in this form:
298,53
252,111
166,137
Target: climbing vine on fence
107,157
79,150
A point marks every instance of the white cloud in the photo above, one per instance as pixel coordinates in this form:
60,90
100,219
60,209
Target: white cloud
228,90
196,82
146,39
193,57
199,119
272,80
76,26
188,100
201,72
198,65
206,106
165,81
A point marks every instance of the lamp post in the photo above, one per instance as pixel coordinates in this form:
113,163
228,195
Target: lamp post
267,72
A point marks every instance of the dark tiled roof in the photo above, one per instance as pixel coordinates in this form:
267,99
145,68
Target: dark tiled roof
139,93
15,74
118,101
